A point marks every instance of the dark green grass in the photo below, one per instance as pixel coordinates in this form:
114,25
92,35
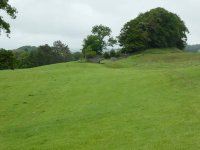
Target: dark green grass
146,102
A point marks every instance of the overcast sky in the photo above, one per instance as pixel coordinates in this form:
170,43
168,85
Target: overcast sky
45,21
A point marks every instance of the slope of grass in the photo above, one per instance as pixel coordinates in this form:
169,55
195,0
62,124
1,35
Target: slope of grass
147,102
157,58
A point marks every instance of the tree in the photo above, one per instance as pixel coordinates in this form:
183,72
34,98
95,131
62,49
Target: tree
157,28
45,55
77,56
94,43
28,56
99,40
23,60
112,53
103,32
62,50
106,55
89,52
11,11
6,59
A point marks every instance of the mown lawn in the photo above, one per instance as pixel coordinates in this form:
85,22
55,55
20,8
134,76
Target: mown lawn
145,102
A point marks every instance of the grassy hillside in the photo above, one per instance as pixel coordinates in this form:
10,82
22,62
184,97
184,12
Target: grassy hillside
157,58
150,101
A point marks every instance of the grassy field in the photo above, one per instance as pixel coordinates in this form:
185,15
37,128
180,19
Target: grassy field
150,101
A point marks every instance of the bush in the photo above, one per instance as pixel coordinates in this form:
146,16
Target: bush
106,55
118,54
112,53
7,59
91,54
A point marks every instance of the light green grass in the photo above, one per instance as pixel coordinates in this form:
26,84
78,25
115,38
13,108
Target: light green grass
150,101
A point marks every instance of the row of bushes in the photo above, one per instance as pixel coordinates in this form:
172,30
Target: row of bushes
28,57
45,55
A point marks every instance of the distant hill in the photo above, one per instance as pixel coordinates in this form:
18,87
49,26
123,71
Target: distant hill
30,48
25,48
193,48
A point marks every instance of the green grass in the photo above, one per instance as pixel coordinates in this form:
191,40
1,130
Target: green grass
150,101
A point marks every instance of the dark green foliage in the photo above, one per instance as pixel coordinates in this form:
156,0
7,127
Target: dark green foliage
106,55
111,42
11,11
26,48
77,56
157,28
112,53
89,53
94,43
118,53
28,56
6,59
45,55
103,32
23,59
99,40
62,51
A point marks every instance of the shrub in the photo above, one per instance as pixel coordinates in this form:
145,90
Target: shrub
106,55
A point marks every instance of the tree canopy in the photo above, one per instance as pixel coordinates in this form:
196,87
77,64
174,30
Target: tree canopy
11,11
157,28
99,40
6,59
94,43
30,56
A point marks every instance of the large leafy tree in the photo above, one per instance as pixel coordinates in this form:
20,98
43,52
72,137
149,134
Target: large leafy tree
92,42
62,50
99,40
11,11
157,28
101,32
7,59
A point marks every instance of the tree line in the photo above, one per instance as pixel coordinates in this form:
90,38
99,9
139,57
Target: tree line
28,57
157,28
